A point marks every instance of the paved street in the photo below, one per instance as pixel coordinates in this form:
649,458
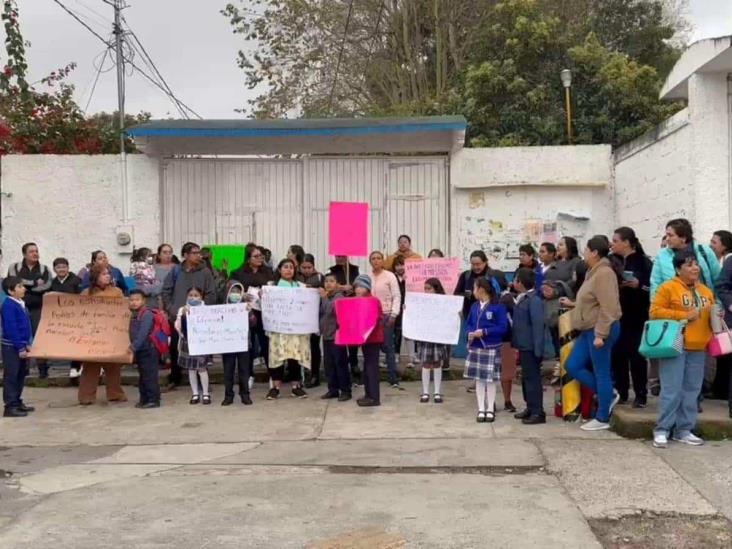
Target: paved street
314,473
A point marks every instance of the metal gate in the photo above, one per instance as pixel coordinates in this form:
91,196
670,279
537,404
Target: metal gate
279,202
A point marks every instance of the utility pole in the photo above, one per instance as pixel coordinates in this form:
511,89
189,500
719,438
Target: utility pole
119,37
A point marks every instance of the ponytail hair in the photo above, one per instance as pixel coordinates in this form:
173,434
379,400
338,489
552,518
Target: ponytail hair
628,234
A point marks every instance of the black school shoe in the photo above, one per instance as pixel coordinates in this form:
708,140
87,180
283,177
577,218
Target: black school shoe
523,414
329,395
14,412
246,400
344,397
367,402
273,394
640,402
25,408
534,420
150,405
228,401
298,392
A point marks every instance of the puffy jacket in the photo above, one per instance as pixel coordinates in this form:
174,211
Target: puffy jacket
663,266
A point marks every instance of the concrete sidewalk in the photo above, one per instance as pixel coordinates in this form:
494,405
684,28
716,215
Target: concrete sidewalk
314,473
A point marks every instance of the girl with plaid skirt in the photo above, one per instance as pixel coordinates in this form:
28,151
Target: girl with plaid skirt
487,324
431,356
197,365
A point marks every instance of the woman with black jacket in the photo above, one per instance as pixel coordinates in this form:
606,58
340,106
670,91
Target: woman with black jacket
634,304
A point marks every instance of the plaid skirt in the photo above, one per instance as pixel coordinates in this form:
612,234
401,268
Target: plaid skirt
185,360
483,364
427,354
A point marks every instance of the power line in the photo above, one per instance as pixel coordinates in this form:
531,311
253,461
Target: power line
96,79
128,58
340,55
154,68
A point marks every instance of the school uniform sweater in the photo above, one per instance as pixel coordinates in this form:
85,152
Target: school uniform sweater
16,324
492,320
674,300
528,324
141,326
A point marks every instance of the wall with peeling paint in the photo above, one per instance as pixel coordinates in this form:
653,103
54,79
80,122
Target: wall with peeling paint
505,197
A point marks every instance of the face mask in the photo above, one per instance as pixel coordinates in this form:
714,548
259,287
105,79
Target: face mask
234,298
194,302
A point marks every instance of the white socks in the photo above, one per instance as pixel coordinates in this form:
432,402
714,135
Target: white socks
438,380
193,376
485,392
426,380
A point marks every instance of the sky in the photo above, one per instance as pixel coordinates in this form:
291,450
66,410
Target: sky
193,47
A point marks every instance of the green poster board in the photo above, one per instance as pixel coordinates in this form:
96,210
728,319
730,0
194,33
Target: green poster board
233,254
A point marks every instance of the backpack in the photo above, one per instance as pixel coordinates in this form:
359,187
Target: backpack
160,334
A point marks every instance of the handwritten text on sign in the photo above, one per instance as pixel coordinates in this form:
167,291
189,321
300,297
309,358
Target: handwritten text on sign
218,329
445,269
290,310
434,318
84,328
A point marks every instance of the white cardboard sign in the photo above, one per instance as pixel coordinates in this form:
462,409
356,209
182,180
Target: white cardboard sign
217,329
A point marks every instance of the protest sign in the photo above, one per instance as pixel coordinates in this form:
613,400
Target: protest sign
432,317
356,318
348,229
446,269
84,328
216,329
290,310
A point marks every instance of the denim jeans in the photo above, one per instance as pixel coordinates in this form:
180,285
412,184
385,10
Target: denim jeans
681,381
583,356
388,349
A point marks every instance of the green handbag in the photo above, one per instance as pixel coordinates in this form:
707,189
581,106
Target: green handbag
662,339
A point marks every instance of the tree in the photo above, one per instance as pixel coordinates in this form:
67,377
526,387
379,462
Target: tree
495,61
48,120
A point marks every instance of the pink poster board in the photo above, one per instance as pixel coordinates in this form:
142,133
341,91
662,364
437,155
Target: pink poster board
348,229
357,318
446,269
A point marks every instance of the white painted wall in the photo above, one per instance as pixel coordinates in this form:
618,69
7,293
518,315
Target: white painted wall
504,197
654,180
72,205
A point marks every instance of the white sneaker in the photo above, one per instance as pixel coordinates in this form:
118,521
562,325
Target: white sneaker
595,425
660,440
74,373
689,438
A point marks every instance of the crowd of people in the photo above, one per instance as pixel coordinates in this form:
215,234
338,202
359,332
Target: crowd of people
611,291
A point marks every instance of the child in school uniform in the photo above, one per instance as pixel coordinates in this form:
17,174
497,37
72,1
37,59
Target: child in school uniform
237,364
336,357
431,356
487,324
196,365
371,347
16,341
288,353
528,339
146,355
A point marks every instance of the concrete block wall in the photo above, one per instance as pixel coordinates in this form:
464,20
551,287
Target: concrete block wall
505,197
654,180
71,205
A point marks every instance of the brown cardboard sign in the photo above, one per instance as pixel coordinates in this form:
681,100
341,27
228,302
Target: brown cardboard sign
84,328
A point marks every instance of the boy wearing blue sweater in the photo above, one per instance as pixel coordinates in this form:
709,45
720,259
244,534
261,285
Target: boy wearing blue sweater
16,342
528,339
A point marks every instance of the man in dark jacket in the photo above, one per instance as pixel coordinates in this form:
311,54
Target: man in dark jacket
37,281
528,339
181,278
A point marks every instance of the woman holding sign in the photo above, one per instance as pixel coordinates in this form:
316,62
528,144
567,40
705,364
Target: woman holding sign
288,353
100,285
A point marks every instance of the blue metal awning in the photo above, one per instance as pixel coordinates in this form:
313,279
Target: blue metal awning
431,134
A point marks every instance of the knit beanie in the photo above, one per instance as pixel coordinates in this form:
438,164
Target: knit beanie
364,281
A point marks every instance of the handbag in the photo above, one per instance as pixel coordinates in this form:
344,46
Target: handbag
662,338
721,342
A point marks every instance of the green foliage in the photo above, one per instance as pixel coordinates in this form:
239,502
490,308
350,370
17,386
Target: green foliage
48,120
495,61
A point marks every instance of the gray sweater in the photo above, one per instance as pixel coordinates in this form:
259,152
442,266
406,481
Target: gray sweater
328,324
180,280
